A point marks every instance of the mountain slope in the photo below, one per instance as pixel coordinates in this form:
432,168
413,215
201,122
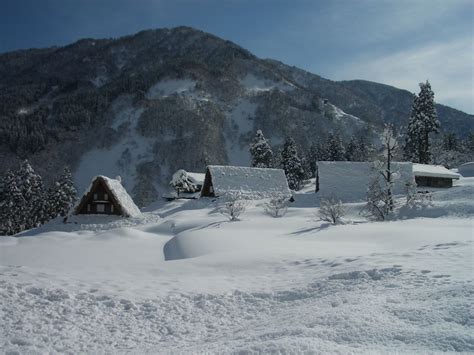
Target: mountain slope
145,105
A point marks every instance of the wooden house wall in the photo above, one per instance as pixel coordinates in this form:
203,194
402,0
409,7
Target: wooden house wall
207,188
96,197
428,181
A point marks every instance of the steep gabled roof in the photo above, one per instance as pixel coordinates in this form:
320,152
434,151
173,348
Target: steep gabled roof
348,180
248,182
118,194
433,171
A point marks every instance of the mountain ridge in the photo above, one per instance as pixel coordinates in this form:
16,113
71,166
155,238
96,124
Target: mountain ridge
149,103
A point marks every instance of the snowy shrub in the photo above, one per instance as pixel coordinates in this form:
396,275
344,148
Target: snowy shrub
234,207
415,199
277,206
331,210
379,201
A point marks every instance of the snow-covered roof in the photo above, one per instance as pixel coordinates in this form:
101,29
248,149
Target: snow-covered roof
433,171
249,182
197,178
129,208
467,169
348,181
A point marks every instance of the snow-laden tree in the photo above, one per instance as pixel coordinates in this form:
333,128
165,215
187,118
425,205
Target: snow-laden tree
379,195
62,195
358,149
12,208
423,122
335,147
181,182
291,164
32,189
261,152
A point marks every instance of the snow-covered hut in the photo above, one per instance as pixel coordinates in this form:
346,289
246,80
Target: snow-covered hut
467,169
107,196
349,181
251,183
433,175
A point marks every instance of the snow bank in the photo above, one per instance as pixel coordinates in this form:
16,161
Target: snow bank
349,181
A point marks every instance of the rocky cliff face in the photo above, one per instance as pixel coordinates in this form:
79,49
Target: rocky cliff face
143,106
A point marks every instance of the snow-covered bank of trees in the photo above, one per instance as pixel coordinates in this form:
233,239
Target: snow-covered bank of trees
25,202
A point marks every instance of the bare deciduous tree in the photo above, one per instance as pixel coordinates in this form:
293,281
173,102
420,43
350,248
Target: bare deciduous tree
276,206
331,210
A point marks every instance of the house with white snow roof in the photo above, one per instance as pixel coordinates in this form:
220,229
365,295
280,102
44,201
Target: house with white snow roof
433,175
106,196
349,181
251,183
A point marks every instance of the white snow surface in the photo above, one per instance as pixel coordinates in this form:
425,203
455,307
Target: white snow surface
254,84
197,178
433,171
348,181
170,86
467,169
183,279
252,183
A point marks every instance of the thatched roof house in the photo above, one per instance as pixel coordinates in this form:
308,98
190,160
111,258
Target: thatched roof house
467,169
433,175
348,181
107,196
251,183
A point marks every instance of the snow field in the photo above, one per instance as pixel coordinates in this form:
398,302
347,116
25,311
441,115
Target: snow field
190,281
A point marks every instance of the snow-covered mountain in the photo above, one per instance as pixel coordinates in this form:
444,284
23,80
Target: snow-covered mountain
145,105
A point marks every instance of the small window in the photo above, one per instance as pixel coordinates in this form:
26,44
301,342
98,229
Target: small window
100,208
106,197
211,189
96,197
88,208
112,208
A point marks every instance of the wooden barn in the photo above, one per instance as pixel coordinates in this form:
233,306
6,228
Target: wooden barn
106,196
433,176
251,183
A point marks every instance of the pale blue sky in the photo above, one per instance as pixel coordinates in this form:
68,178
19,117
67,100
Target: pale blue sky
399,42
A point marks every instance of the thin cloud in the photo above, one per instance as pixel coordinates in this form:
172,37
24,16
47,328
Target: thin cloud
448,66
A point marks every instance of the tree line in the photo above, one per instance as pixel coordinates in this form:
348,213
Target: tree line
419,145
26,203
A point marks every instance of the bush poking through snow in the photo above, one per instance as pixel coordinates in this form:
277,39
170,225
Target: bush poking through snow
417,199
277,206
233,208
331,210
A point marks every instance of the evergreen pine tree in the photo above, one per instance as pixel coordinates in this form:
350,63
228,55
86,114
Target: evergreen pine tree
12,207
62,195
261,152
352,149
32,190
335,147
423,122
291,163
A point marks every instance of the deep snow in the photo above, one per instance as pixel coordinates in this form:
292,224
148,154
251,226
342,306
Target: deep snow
183,278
